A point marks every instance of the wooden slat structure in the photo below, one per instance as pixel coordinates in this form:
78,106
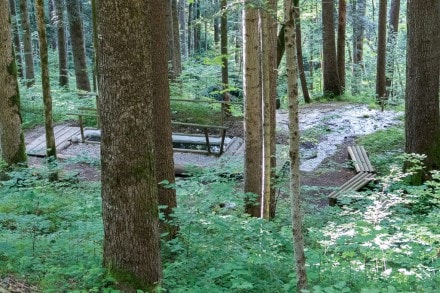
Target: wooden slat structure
365,170
63,135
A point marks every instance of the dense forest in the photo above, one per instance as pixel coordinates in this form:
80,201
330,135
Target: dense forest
219,146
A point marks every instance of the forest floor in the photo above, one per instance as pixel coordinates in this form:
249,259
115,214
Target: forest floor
326,128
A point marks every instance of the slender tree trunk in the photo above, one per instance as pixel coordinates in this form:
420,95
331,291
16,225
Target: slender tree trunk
162,117
280,45
332,85
252,117
78,47
381,52
16,38
172,74
182,23
294,137
27,44
422,115
129,182
190,29
392,42
197,27
51,151
177,52
302,75
238,42
224,53
359,9
12,147
341,42
62,47
216,24
51,31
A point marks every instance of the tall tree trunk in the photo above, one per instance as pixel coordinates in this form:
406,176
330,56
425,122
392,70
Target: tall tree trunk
216,24
62,47
78,47
172,74
197,26
12,147
224,53
16,38
129,182
177,54
182,23
27,44
280,45
381,51
162,117
238,42
393,29
252,117
332,85
51,151
190,29
294,137
341,42
51,31
300,59
359,9
422,116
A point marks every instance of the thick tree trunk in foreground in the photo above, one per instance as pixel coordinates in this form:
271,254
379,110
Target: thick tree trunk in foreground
295,189
252,116
129,183
332,85
27,44
51,151
78,47
422,117
62,49
12,147
162,117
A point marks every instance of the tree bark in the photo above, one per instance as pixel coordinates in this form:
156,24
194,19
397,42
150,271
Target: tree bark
341,42
216,24
392,42
176,34
172,73
252,119
422,117
51,151
332,85
12,147
62,48
359,9
51,31
16,38
162,118
381,52
224,54
27,44
190,29
302,75
294,137
182,23
129,181
78,48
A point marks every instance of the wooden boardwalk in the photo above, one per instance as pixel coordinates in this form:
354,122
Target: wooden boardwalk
63,136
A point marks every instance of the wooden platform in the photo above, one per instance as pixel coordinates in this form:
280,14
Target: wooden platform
63,135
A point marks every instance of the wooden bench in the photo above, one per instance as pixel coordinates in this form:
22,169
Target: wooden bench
85,112
365,174
207,141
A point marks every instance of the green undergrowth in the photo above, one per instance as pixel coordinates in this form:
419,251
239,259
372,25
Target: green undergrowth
384,240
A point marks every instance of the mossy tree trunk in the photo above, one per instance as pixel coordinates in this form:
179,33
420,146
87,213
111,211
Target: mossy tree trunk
381,51
51,151
342,24
78,47
129,179
12,147
63,70
16,37
27,44
162,117
294,137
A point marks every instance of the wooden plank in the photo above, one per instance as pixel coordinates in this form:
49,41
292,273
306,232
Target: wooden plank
62,134
360,159
200,125
369,166
354,159
354,184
